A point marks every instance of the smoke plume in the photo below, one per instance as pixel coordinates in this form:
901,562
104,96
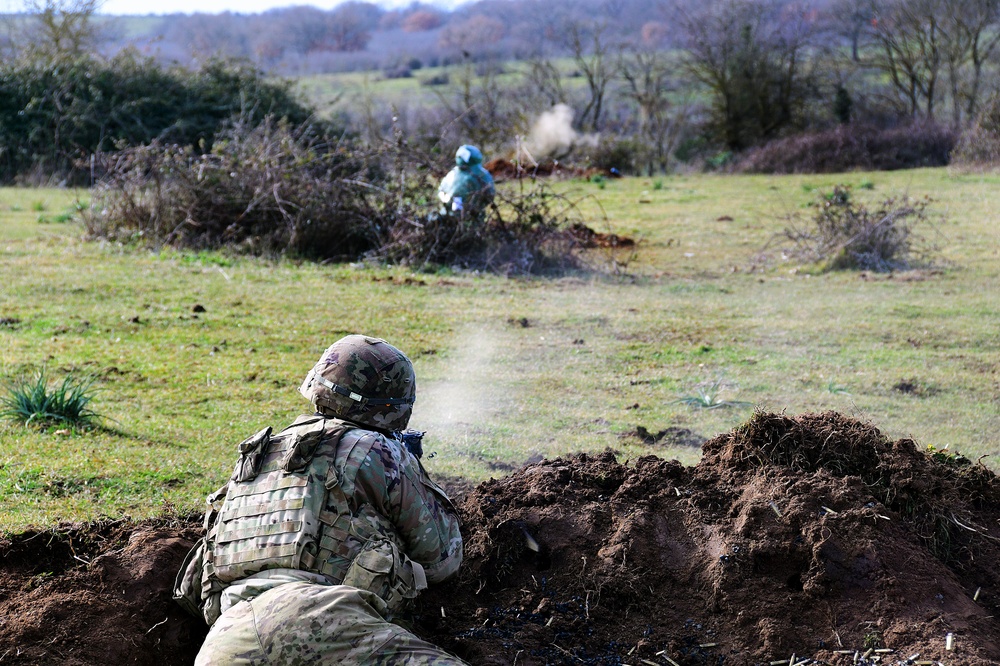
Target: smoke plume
553,136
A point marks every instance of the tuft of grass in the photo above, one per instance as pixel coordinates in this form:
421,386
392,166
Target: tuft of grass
30,399
867,184
837,389
38,206
60,218
709,397
658,184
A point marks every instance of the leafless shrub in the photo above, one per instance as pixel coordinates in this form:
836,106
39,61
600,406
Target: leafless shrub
844,234
279,190
527,230
979,145
271,189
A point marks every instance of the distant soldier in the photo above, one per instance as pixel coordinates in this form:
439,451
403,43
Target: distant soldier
468,188
327,530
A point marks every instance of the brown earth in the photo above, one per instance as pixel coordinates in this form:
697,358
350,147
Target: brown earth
503,169
813,536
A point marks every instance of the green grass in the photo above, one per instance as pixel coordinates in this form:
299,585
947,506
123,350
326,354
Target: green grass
599,356
33,400
352,90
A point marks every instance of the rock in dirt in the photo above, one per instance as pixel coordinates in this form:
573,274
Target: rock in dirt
814,536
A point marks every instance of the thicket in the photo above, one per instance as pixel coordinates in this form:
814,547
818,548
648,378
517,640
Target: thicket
529,229
56,112
979,146
262,189
854,146
276,189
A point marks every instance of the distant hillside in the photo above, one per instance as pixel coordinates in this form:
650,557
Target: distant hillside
364,36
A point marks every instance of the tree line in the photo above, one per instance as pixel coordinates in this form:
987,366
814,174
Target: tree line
650,83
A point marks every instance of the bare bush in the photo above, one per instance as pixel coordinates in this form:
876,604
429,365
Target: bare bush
278,190
527,230
844,234
979,145
266,190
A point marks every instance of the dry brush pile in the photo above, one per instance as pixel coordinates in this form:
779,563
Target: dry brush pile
281,190
888,235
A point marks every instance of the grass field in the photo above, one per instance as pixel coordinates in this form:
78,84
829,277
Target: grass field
599,354
330,93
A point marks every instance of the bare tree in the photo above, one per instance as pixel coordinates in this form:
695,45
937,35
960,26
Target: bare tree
591,52
852,18
348,27
478,106
648,75
751,56
912,43
976,23
931,51
544,80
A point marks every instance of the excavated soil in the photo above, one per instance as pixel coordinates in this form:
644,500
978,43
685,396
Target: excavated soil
795,540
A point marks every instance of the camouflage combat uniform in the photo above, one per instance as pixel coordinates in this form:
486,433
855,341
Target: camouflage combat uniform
289,616
327,530
304,624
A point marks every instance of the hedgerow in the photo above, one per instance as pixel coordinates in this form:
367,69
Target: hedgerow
57,112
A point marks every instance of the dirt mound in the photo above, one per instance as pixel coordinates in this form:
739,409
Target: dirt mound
96,594
794,539
503,169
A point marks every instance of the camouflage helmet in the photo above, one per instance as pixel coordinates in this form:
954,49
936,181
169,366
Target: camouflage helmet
364,380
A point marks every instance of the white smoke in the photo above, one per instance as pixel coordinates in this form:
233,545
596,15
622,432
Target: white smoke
465,397
552,134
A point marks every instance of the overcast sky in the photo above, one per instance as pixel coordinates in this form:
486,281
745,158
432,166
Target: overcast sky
125,7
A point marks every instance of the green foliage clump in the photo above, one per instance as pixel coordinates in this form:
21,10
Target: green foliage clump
30,399
709,396
946,457
57,112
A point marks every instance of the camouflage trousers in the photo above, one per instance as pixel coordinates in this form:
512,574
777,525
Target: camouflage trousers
296,624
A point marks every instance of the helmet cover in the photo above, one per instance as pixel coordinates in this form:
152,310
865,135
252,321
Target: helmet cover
365,380
468,156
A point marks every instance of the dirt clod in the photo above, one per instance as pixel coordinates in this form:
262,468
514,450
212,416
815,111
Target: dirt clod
587,237
813,535
672,436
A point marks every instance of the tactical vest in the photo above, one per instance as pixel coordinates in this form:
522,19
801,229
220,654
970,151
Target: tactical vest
287,507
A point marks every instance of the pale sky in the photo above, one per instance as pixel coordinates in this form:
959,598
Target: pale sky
141,7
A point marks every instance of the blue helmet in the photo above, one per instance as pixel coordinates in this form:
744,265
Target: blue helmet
468,156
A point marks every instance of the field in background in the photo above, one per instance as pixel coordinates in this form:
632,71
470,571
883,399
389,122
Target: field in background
342,91
508,370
